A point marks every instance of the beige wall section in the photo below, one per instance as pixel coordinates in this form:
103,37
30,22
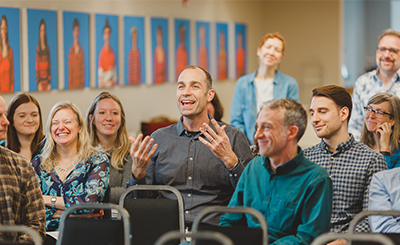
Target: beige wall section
311,29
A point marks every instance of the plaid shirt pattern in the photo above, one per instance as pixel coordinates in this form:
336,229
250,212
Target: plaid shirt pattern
21,200
351,169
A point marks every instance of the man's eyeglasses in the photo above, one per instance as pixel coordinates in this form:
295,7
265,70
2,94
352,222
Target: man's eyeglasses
378,113
391,50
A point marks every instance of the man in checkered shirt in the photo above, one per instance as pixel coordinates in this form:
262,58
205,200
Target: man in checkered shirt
350,164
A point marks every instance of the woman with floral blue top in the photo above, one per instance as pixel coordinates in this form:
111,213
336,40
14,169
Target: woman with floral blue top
69,169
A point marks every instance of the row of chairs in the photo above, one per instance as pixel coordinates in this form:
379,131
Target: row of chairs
219,237
142,221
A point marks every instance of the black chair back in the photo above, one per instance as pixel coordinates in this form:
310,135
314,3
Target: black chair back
240,235
151,218
395,237
109,232
85,231
221,239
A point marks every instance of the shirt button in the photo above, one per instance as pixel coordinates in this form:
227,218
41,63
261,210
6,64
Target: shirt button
191,159
189,195
267,198
230,175
332,157
235,175
186,212
190,178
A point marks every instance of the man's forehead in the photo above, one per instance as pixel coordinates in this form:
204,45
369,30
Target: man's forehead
322,102
390,40
268,114
192,75
3,106
318,101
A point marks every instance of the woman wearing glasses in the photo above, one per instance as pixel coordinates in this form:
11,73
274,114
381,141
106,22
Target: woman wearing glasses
381,130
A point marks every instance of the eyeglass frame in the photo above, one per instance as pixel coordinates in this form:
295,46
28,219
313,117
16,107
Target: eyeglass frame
369,110
391,50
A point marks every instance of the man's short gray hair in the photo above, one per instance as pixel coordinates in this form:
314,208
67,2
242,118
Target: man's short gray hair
294,113
389,32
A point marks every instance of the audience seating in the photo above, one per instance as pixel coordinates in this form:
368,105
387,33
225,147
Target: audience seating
86,231
201,235
150,218
37,240
395,237
239,234
363,238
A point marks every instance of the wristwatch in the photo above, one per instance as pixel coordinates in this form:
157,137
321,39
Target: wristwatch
53,201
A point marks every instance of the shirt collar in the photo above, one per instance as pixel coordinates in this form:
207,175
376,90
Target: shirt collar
395,78
276,76
181,130
288,166
344,146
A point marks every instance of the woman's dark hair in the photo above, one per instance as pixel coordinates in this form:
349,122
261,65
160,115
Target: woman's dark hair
107,25
12,137
218,109
7,46
45,35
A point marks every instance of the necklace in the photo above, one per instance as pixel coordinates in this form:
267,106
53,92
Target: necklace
57,167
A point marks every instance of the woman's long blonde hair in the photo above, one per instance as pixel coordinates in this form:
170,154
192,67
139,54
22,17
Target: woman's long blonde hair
367,137
122,144
85,149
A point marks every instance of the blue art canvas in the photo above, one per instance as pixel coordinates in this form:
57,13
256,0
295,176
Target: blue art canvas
42,50
203,44
159,47
134,56
106,50
10,61
76,50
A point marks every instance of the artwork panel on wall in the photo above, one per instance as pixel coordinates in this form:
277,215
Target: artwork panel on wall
203,44
240,49
106,50
159,47
42,49
10,44
76,50
134,50
221,43
182,45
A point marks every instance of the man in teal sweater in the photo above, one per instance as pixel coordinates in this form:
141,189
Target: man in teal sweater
293,193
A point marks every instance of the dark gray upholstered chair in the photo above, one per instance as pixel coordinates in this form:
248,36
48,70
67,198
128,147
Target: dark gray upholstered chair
152,217
86,231
240,235
37,240
201,235
362,238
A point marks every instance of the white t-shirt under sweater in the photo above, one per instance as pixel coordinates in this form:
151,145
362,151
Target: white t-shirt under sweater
264,90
